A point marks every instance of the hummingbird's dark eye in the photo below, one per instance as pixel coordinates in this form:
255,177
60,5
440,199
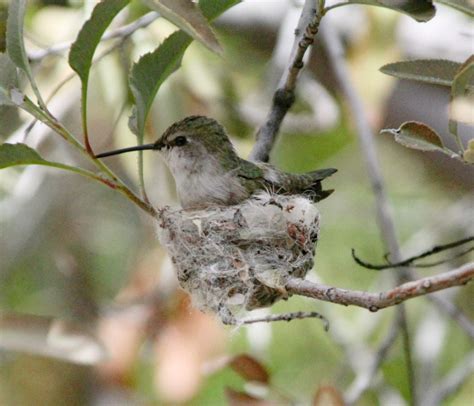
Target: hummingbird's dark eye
180,141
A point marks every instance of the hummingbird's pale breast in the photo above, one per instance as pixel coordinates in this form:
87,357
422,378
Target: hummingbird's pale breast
201,180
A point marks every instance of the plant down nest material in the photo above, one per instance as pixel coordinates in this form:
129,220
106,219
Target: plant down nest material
236,258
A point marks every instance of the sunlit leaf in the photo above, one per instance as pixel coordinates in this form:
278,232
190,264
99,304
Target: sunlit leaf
186,15
465,6
249,368
8,79
416,136
15,45
434,71
148,74
50,337
463,84
236,398
328,396
82,50
21,154
420,10
468,155
464,79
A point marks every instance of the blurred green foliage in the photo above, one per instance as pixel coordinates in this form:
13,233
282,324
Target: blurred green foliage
73,249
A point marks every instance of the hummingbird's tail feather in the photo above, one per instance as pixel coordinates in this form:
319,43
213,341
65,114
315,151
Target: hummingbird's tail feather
309,184
321,174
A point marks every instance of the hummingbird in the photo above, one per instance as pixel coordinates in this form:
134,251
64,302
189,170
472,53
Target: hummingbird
208,172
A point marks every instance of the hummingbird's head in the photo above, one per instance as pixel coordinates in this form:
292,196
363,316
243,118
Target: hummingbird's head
194,139
189,141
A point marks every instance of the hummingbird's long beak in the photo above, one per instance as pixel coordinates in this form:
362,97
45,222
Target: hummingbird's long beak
156,145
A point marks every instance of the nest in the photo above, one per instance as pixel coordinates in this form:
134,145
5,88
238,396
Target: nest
237,258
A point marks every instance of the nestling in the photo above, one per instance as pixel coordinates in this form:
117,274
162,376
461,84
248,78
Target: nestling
208,171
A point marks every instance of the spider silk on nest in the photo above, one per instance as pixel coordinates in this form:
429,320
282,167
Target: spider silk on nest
236,258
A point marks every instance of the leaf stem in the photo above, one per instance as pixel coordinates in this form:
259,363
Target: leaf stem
113,182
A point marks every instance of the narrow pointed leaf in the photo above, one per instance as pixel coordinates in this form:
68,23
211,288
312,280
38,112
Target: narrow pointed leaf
186,15
420,10
21,154
434,71
463,86
152,69
83,49
16,46
249,368
238,398
8,79
148,74
465,6
9,115
463,82
416,136
468,155
50,337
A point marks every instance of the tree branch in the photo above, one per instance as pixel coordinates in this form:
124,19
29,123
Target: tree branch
284,96
450,383
409,261
365,379
378,301
454,312
121,32
384,216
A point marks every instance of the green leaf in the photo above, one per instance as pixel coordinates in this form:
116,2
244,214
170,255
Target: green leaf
8,79
15,45
213,9
186,15
418,136
148,74
462,5
433,71
21,154
468,155
82,50
463,84
420,10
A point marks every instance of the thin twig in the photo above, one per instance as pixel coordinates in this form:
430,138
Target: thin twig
454,312
449,384
409,261
336,5
365,379
121,32
286,317
284,96
378,301
364,131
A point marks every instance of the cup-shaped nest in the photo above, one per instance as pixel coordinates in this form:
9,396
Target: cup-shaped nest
233,258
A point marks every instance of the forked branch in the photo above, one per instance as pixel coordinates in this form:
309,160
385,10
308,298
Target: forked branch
377,301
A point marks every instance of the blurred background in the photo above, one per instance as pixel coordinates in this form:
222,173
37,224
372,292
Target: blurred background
73,250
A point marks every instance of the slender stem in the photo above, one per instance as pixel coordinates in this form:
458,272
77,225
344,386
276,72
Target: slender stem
409,261
283,317
113,182
366,137
328,8
365,378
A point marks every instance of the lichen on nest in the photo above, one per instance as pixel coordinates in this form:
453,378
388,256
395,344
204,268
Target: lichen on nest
237,258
